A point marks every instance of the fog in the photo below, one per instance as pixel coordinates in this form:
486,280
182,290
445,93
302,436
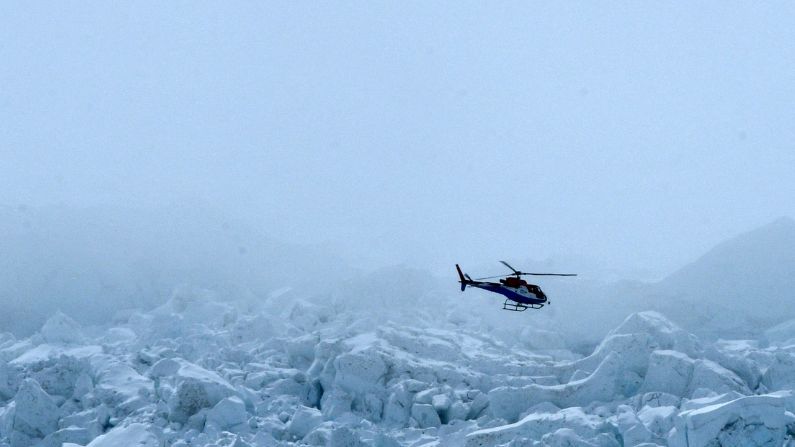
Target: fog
620,143
232,224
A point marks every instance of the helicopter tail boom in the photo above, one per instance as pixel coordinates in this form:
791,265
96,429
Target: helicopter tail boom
462,278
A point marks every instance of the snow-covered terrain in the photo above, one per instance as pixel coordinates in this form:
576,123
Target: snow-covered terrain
393,357
287,371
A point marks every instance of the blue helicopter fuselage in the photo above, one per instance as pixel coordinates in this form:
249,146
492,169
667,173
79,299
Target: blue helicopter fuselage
522,293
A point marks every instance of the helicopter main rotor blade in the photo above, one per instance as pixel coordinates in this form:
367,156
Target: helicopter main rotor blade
525,273
509,266
490,277
549,274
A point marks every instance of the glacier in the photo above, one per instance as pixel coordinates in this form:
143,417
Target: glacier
204,371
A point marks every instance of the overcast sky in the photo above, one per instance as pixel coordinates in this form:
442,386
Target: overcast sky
634,135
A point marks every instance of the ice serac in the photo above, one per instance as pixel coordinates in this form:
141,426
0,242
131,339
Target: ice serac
664,333
360,371
675,373
425,415
633,431
119,384
634,340
35,412
228,414
62,329
397,409
72,434
303,421
749,420
610,381
195,387
135,434
6,390
583,427
360,375
659,420
669,372
781,374
715,378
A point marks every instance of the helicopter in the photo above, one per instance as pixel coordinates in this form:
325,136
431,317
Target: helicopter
519,294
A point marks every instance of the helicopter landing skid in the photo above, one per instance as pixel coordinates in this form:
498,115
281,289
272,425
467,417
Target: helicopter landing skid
513,306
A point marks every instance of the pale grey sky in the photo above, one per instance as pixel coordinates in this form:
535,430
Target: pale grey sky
632,134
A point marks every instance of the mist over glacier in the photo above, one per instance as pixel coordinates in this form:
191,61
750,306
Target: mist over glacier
91,262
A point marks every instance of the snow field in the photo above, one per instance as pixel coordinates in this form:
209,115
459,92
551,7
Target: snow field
201,372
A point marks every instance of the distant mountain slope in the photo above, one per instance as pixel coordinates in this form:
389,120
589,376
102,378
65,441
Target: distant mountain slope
749,279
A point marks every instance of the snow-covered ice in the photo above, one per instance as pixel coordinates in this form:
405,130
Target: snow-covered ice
208,372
